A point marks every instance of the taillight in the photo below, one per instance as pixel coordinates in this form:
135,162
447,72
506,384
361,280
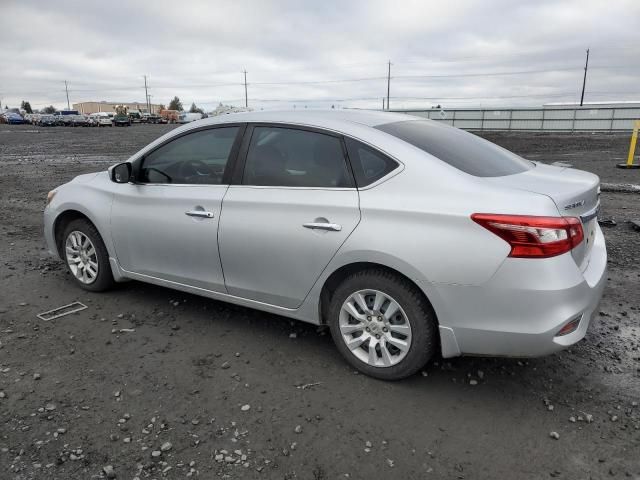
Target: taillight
531,236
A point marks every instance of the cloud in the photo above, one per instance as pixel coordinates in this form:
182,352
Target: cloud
452,53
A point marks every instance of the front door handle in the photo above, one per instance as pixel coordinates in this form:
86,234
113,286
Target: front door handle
334,227
199,213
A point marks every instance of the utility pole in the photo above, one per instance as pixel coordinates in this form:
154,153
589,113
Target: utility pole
146,95
246,100
584,80
388,83
66,87
382,103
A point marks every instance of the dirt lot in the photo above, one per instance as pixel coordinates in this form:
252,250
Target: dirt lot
152,382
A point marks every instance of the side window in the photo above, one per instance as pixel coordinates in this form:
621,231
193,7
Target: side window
196,158
286,157
368,164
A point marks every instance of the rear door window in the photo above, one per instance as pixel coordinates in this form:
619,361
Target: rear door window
288,157
460,149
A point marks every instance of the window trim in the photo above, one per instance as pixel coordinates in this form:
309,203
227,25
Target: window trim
246,142
229,167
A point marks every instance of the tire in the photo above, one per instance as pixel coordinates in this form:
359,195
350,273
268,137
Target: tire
419,342
103,279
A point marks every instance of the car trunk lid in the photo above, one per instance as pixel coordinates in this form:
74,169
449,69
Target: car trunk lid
574,192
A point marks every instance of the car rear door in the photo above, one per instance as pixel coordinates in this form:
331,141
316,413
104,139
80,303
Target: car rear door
165,225
292,205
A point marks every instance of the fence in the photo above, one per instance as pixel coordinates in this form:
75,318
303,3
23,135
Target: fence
565,119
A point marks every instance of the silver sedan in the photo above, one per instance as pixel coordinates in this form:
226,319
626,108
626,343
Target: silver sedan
409,238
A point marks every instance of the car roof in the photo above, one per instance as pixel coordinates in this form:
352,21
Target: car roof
320,118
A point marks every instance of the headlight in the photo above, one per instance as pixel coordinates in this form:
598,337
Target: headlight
50,196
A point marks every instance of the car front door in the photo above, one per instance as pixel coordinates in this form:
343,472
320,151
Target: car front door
294,205
165,223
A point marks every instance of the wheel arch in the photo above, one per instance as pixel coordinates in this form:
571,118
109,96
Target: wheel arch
61,222
337,277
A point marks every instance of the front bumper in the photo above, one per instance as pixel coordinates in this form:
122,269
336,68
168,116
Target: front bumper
521,309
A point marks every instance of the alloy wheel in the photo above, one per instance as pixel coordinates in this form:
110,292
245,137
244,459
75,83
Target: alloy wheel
82,257
375,328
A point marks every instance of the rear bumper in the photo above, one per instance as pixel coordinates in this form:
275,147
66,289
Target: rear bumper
521,309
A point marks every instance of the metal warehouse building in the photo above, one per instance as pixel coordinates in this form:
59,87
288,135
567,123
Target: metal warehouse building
95,107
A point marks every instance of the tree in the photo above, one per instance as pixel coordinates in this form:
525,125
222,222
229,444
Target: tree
175,104
50,109
26,106
195,109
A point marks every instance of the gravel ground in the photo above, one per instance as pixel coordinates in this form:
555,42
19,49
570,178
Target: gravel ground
152,383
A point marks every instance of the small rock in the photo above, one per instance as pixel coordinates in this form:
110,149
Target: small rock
554,435
166,446
298,429
572,419
473,382
156,454
225,365
245,408
109,472
36,376
390,462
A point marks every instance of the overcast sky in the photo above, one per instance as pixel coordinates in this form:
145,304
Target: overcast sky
453,53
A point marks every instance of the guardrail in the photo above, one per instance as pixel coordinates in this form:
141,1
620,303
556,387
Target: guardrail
564,119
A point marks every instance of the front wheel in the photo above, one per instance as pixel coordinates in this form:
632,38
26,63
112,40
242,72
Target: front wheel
86,256
382,324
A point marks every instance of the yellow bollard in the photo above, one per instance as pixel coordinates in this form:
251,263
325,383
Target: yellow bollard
632,148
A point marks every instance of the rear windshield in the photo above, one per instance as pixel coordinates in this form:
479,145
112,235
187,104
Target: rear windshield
460,149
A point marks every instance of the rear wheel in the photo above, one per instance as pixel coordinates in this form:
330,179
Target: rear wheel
86,256
382,324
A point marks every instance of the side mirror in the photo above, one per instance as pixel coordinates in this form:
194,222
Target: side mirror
121,173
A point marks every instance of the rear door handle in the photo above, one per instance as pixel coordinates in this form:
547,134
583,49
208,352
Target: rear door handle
334,227
199,213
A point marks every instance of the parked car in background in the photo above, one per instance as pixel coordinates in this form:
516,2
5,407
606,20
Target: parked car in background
66,117
135,116
186,117
102,119
121,116
154,118
79,120
407,237
12,118
46,120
